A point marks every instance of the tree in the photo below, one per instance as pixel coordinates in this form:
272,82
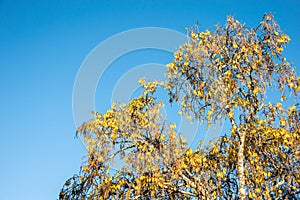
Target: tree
224,74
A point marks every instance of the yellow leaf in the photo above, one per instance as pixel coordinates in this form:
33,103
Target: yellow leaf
189,152
113,136
282,122
283,97
292,108
172,126
142,81
235,45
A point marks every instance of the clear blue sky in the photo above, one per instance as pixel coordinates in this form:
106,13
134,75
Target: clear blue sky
42,45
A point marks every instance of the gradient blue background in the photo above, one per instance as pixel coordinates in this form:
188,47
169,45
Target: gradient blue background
42,45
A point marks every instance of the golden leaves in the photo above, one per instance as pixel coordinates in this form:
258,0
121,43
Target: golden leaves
189,152
282,122
217,73
244,63
172,126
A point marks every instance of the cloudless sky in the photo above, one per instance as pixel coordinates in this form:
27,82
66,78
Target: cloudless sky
42,45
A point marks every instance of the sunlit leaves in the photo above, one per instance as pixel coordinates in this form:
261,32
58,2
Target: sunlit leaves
222,73
226,73
232,64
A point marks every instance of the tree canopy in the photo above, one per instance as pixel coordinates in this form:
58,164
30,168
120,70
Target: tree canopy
226,73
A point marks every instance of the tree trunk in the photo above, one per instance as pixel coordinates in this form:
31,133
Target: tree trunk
241,159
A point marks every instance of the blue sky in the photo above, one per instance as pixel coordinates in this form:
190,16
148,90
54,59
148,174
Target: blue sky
42,45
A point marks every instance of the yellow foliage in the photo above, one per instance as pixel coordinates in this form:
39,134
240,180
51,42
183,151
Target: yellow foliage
224,74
